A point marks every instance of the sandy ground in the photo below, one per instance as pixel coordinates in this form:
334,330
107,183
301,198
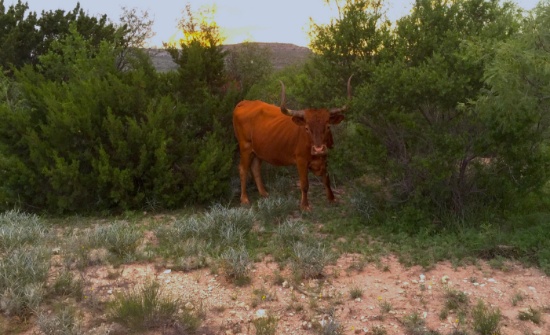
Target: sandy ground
389,294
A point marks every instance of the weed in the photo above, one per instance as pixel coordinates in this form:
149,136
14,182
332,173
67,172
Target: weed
309,260
275,209
485,319
145,308
265,325
237,264
262,295
189,321
278,278
415,325
119,238
331,327
239,217
385,307
363,205
64,321
23,274
518,297
20,229
66,285
379,330
355,292
531,314
455,300
290,231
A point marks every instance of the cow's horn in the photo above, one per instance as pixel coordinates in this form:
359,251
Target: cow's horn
343,109
299,113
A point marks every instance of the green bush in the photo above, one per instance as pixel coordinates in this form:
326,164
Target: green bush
78,134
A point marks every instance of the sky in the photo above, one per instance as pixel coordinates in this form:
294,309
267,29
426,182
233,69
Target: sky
283,21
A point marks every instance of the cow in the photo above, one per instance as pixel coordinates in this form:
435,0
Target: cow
282,137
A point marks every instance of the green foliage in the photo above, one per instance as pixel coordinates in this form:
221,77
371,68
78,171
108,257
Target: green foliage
26,36
78,134
514,109
212,167
423,121
247,64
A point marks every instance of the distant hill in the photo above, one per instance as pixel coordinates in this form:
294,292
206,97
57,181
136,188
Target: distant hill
282,55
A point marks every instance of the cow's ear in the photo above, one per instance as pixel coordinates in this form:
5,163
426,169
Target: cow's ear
336,118
299,120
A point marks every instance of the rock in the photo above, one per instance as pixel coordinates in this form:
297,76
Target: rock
261,313
189,306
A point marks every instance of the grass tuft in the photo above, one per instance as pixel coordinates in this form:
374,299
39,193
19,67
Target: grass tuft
237,264
309,260
63,322
148,308
531,314
485,319
23,274
20,229
274,210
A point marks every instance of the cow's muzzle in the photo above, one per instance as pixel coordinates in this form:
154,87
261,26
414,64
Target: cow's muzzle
319,150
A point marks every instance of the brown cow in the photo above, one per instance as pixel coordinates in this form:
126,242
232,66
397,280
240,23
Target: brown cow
283,137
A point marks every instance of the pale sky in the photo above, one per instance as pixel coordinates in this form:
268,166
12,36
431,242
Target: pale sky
284,21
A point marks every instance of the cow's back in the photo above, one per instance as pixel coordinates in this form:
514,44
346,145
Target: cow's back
273,136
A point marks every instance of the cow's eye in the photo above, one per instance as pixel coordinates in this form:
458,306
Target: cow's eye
307,129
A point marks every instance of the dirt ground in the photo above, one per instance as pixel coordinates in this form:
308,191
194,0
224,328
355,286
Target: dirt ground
389,293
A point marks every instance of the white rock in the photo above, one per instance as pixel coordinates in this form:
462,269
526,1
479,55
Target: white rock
261,313
167,271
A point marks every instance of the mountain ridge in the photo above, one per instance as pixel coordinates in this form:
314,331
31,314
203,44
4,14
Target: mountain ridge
281,55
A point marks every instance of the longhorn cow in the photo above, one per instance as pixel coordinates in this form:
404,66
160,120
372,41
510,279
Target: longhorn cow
283,137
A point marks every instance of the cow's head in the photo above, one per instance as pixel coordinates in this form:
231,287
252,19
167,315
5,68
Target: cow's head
316,122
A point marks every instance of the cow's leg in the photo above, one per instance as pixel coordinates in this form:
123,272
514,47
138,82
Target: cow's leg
304,184
244,167
257,174
326,182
